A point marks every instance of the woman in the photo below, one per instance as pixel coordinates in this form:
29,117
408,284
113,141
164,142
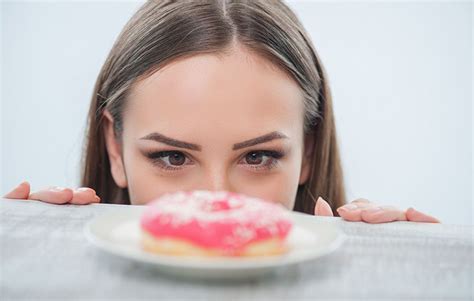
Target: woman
217,95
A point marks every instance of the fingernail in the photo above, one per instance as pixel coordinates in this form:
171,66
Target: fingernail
349,207
57,188
374,209
82,189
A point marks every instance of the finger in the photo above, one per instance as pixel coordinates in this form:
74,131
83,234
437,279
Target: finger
322,208
361,201
350,212
417,216
382,214
22,192
353,210
84,196
54,195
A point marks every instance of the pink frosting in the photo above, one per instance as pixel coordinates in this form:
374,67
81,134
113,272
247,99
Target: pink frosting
218,220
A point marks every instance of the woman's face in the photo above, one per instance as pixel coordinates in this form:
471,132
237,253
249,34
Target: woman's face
232,122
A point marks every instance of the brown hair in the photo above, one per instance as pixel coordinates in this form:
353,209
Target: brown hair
161,31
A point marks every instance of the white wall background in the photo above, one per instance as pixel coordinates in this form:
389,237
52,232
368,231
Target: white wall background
401,75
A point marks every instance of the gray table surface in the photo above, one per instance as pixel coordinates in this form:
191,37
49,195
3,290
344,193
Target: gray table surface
45,255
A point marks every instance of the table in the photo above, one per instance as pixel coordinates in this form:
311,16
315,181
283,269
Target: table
45,255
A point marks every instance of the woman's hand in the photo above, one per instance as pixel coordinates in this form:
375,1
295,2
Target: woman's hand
55,195
366,211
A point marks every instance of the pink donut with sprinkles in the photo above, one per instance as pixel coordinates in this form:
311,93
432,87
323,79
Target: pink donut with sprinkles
214,223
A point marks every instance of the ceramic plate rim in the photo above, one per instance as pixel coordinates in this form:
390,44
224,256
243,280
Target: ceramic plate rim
211,263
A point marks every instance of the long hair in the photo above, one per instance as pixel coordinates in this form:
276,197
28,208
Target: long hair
163,31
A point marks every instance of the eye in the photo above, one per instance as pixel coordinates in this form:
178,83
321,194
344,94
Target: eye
262,159
176,158
170,160
254,158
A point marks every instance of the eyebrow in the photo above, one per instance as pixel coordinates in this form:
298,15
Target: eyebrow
191,146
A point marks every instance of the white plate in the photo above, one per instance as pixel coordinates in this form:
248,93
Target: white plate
118,232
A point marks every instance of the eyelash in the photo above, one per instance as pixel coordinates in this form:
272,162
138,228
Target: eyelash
274,155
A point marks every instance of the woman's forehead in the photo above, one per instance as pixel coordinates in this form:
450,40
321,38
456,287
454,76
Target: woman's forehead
210,92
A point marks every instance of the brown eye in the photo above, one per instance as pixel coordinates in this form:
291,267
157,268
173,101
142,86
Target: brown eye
176,158
168,159
262,159
254,158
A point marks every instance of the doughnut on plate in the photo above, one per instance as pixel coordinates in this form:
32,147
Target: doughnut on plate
117,232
